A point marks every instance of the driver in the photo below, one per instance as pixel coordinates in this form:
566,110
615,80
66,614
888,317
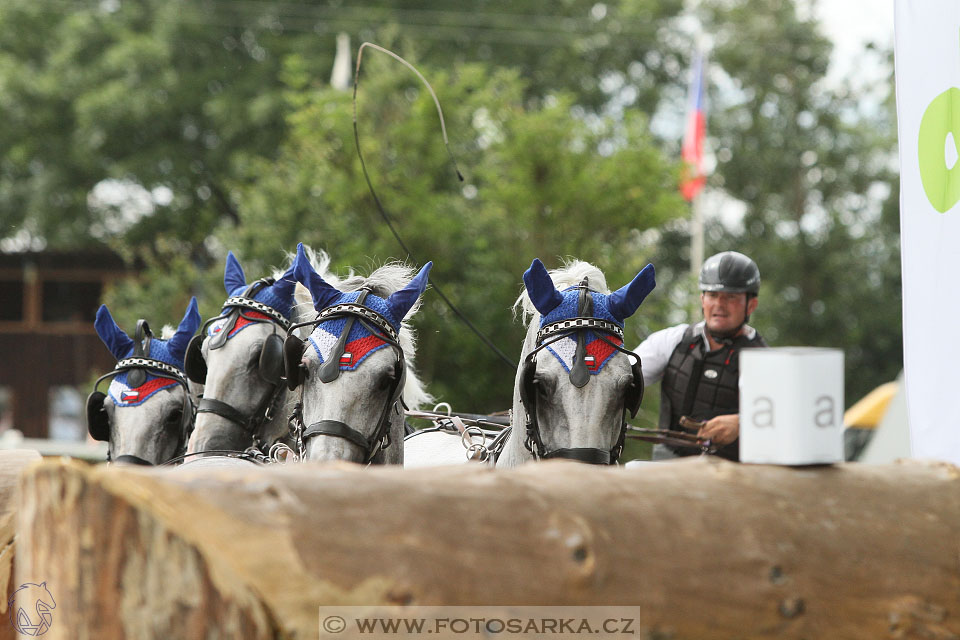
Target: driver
699,363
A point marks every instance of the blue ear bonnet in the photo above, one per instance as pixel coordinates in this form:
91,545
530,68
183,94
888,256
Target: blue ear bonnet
568,308
281,301
169,351
360,343
376,303
120,391
160,350
279,295
598,352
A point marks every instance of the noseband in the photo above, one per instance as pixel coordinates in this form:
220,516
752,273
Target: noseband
137,366
579,377
329,371
271,359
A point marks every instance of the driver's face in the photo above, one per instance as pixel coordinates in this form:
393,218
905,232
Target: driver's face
723,311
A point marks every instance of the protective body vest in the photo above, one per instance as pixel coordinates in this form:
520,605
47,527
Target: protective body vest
703,384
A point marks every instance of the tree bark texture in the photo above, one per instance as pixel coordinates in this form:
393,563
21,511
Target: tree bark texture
702,548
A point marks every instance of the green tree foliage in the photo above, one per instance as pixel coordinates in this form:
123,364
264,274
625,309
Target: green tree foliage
540,181
135,123
165,98
174,130
148,95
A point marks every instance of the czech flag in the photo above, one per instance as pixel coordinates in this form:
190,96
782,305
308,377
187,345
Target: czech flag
693,175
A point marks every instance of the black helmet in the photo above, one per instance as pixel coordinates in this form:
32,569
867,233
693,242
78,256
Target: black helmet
731,272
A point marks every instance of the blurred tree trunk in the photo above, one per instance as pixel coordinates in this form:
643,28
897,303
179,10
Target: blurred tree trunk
702,548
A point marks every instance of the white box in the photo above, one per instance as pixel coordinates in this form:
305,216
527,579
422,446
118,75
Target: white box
791,405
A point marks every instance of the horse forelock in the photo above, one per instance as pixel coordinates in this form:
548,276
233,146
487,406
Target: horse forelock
571,274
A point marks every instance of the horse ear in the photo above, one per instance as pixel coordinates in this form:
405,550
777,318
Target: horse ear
188,326
623,302
323,294
286,284
233,277
400,302
117,341
540,289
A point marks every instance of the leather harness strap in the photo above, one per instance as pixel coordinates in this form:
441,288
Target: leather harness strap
337,429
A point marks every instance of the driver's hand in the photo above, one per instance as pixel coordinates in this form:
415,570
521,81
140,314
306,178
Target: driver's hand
722,429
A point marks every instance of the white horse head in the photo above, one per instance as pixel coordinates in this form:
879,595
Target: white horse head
355,371
147,412
575,383
238,357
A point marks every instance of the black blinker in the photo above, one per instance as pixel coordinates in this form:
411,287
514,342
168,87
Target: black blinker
271,359
98,424
293,348
193,362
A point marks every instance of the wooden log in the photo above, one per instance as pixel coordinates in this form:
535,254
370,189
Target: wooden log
12,464
702,548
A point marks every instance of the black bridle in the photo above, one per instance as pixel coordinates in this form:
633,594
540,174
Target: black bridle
579,377
137,366
296,373
270,364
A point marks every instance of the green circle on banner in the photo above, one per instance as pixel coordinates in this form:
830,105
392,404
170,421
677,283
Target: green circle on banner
942,118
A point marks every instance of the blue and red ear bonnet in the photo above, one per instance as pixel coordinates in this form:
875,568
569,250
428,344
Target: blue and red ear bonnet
360,342
131,388
580,301
278,295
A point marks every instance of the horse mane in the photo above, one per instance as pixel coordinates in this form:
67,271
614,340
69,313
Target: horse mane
570,274
383,281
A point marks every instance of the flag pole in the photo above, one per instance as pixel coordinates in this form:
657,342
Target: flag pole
696,249
696,235
692,153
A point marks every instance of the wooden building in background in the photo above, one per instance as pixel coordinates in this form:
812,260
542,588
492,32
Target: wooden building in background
48,301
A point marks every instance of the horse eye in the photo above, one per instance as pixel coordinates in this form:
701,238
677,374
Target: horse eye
541,385
386,380
175,417
544,385
255,355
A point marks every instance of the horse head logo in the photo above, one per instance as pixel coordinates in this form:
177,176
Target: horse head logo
30,607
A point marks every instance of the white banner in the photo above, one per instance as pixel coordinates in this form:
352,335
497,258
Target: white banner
928,107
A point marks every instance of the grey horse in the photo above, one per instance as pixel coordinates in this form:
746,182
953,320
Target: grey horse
576,383
147,411
355,371
238,358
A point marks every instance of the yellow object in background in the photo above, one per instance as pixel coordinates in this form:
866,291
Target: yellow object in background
867,412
